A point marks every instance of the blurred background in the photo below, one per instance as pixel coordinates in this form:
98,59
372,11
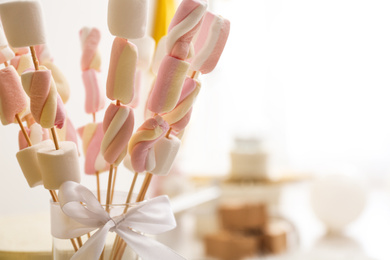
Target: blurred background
302,88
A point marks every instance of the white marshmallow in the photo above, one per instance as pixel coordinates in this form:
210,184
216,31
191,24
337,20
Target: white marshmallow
28,162
36,133
23,23
145,46
58,166
150,163
165,150
127,18
160,53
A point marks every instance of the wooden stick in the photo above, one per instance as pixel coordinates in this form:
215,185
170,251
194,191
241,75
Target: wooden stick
168,133
113,185
109,188
54,134
23,130
34,57
5,63
145,186
94,117
98,185
80,242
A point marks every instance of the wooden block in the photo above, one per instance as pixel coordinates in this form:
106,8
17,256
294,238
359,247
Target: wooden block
275,237
242,217
230,246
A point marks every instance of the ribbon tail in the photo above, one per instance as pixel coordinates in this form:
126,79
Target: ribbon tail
93,248
147,248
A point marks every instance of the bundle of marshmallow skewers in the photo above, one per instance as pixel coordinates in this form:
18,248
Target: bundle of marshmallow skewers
33,90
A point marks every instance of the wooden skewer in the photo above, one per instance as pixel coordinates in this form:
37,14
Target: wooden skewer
94,117
168,133
23,130
109,188
79,241
98,186
145,186
6,63
113,185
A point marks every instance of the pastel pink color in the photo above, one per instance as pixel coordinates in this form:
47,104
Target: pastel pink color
140,152
137,89
6,54
89,48
60,114
16,62
71,134
13,99
186,10
210,43
169,82
22,140
121,73
121,137
39,90
93,150
94,96
22,50
182,123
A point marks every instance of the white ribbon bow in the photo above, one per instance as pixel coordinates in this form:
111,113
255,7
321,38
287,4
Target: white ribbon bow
153,217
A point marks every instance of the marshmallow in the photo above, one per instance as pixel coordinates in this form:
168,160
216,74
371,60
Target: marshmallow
28,162
90,38
62,84
121,74
21,51
142,142
169,82
3,39
46,105
94,96
118,127
43,53
159,54
92,135
183,27
146,47
22,63
59,166
6,54
36,133
127,18
13,100
165,151
23,23
137,89
188,95
210,43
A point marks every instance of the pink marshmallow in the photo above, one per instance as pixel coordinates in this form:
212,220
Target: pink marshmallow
13,100
94,96
183,27
22,140
71,134
118,127
60,114
182,123
169,82
121,73
210,43
89,47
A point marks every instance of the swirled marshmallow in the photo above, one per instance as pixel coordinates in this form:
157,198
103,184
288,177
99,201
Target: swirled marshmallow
121,73
183,27
46,105
62,84
22,63
28,162
43,53
142,142
13,100
90,58
169,82
23,23
127,18
59,166
210,42
94,96
92,136
118,127
67,132
165,151
178,118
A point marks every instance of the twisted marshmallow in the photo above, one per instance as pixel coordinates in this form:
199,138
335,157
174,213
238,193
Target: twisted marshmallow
184,25
13,100
68,132
94,96
118,126
179,117
142,142
22,63
46,105
92,136
90,38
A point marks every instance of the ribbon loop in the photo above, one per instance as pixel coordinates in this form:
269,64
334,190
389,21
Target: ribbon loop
154,216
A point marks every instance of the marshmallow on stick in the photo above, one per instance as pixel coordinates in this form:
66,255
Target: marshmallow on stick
68,132
94,94
92,136
210,43
142,142
165,151
173,68
36,134
22,63
118,127
121,73
6,52
90,38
